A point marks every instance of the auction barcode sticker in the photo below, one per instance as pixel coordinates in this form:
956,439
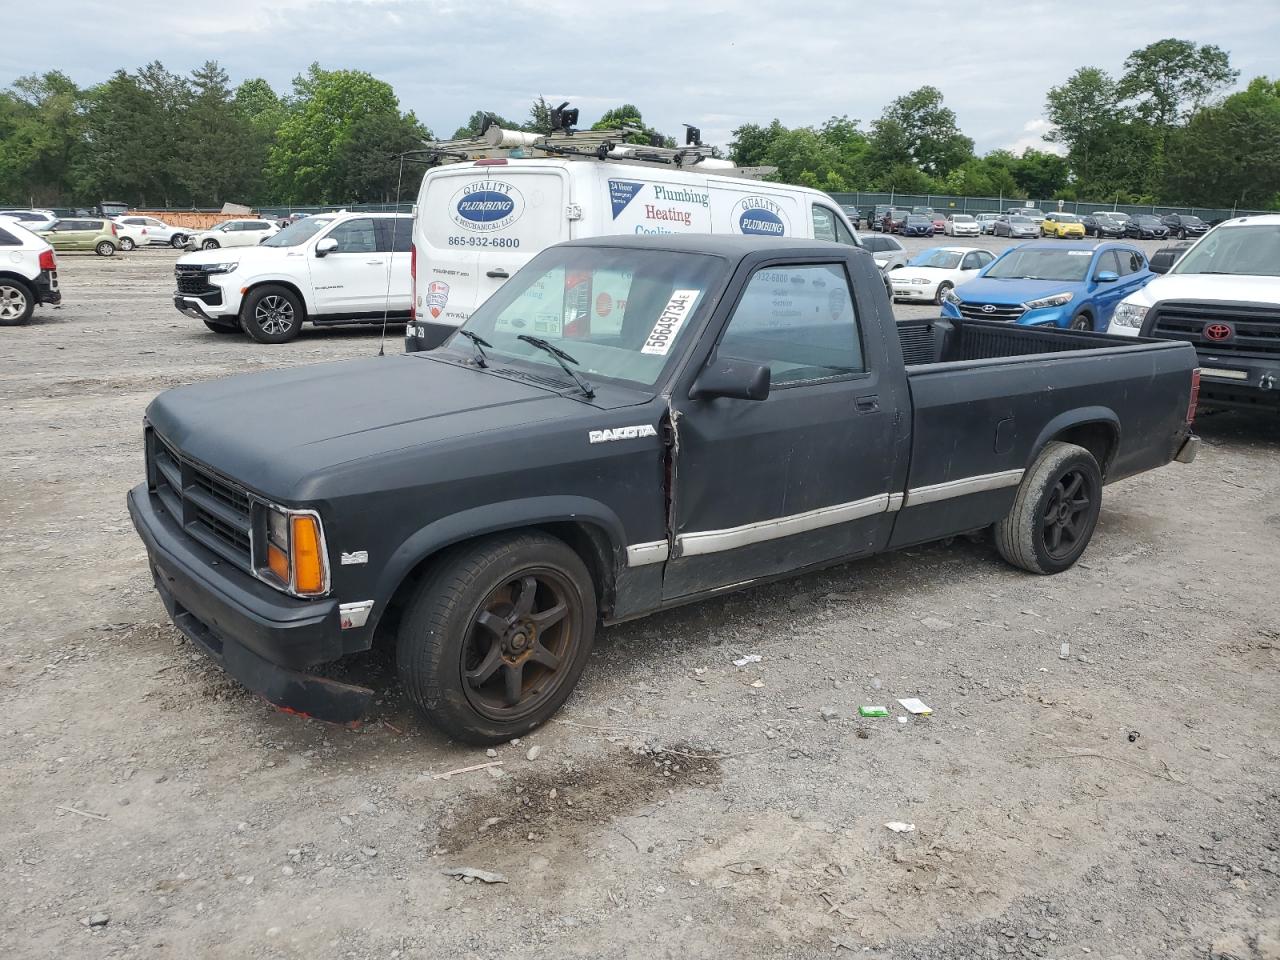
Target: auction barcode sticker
669,322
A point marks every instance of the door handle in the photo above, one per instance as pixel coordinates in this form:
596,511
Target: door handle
375,263
498,274
867,404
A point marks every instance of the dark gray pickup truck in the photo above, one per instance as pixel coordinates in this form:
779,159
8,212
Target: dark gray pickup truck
626,425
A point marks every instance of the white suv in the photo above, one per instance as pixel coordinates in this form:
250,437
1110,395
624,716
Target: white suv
28,273
155,232
329,268
232,233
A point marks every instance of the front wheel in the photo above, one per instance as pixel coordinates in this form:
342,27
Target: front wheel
943,289
178,241
1055,511
16,303
209,245
272,314
105,249
1182,234
1082,321
126,244
497,636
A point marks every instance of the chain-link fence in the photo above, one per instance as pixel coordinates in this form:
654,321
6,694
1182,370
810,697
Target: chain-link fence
948,204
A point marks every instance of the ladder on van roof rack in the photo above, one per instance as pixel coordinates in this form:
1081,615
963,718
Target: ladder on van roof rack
568,143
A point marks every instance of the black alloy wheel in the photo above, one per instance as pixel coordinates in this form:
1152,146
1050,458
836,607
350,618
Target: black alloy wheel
1068,514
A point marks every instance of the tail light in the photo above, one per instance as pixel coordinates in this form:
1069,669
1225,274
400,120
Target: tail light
114,231
413,280
47,261
1195,396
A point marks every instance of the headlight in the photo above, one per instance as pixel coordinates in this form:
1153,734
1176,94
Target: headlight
228,267
1057,300
950,297
1130,315
293,556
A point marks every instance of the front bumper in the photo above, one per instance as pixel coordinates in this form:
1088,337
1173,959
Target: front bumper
263,638
1230,380
914,291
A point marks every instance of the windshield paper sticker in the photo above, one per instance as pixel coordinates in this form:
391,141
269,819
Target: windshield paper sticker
669,322
1079,253
622,192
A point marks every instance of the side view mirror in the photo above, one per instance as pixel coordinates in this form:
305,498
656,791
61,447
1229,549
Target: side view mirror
1107,276
732,379
326,247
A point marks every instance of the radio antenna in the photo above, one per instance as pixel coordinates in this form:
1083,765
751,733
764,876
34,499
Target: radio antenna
386,301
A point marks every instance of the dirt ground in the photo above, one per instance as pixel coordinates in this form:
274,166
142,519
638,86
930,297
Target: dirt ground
1122,800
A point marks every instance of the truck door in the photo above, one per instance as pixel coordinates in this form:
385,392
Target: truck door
806,475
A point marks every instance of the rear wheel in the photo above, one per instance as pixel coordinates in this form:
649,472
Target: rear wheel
497,636
1055,511
272,314
16,303
178,241
126,244
105,249
943,289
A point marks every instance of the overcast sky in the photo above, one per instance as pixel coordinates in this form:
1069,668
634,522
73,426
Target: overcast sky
713,63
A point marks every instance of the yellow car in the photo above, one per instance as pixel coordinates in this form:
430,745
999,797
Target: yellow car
1064,226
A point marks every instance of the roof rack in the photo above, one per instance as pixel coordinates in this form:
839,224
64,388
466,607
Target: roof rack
567,143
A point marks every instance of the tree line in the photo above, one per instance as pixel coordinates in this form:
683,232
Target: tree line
1161,132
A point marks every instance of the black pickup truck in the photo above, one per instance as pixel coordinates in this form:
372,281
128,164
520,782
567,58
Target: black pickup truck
746,409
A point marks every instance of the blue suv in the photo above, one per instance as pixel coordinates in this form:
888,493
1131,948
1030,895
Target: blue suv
1075,285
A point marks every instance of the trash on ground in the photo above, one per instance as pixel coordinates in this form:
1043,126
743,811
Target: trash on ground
1065,652
873,711
913,705
897,826
475,766
747,658
484,876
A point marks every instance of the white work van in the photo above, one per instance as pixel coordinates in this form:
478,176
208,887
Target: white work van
477,223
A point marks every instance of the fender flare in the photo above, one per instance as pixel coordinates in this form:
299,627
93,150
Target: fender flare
1079,417
495,518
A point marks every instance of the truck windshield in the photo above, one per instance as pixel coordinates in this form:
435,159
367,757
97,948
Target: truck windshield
298,233
621,314
1245,251
1039,264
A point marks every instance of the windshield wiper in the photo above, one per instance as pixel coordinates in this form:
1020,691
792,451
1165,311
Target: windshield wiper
479,343
559,356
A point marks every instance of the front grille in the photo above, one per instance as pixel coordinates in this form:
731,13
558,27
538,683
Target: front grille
213,510
192,280
1255,328
1000,311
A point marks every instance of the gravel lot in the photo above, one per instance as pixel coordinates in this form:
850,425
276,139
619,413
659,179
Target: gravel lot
1123,800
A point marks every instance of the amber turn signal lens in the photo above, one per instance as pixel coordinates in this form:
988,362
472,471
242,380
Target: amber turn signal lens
308,564
278,563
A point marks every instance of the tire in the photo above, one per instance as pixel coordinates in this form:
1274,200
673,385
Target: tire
272,314
209,245
469,635
1082,321
222,327
105,249
17,301
127,245
1040,534
943,289
1182,234
177,241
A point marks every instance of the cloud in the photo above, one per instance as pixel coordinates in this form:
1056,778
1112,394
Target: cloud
716,64
1032,138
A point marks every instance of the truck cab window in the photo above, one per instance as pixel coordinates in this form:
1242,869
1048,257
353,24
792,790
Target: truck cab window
800,321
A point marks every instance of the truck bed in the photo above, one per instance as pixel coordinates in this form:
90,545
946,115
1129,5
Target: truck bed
948,341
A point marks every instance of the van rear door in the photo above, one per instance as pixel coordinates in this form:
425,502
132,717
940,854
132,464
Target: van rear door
474,227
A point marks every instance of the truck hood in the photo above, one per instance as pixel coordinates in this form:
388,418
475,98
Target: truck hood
1225,288
1011,292
242,255
272,431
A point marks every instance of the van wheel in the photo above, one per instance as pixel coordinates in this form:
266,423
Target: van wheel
16,303
126,244
497,636
1055,511
105,249
943,289
1082,321
272,314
